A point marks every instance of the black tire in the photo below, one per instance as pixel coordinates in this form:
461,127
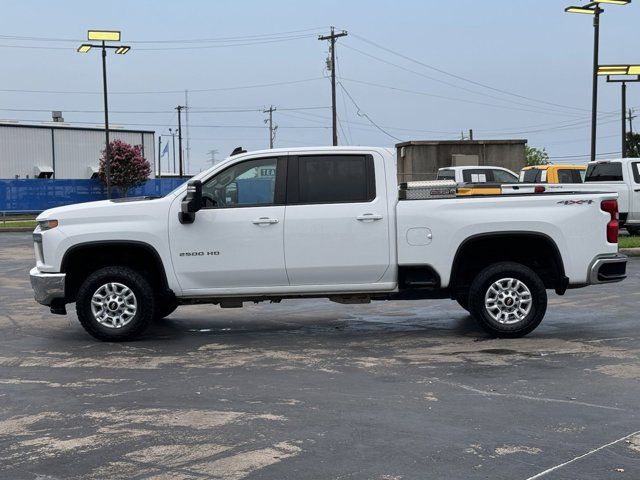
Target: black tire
633,230
144,296
480,287
165,306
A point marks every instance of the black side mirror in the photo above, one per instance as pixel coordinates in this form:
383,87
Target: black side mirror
192,203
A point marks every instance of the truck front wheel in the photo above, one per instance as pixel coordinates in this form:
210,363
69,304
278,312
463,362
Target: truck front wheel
115,304
508,299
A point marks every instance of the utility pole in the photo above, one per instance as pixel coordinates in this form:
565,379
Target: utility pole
186,121
332,64
594,88
179,108
631,117
159,156
272,128
173,138
471,134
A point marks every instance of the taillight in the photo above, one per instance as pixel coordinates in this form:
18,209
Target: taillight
538,189
611,207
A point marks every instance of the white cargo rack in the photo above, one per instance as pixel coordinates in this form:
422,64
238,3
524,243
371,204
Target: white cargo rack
428,189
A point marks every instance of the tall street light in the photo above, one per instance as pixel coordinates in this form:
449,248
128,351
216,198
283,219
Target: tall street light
623,74
103,36
594,9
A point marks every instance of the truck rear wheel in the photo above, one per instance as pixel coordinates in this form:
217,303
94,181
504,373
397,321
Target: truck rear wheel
115,304
508,299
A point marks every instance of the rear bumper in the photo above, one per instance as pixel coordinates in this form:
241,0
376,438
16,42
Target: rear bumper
47,287
608,269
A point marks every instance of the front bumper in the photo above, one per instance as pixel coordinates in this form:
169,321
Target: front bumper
608,269
47,287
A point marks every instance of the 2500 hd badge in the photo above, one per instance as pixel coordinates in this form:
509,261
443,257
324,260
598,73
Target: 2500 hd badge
198,254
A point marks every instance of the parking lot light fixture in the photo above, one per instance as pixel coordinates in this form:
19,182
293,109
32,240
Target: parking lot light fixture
613,2
104,36
594,9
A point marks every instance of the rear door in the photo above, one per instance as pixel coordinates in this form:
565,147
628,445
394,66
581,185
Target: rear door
336,220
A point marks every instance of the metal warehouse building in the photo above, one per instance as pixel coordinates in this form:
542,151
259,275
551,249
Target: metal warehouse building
59,150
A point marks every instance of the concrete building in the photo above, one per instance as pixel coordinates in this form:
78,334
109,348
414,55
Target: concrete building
421,159
59,150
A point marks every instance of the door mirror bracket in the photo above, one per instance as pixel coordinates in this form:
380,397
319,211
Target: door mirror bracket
192,202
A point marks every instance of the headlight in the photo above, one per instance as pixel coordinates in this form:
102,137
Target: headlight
47,224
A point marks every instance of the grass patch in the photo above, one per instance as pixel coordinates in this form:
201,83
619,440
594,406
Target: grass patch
629,242
18,223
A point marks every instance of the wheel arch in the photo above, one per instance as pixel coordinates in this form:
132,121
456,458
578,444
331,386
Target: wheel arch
536,250
82,258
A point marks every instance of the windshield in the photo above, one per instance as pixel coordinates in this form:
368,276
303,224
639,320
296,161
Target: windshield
604,172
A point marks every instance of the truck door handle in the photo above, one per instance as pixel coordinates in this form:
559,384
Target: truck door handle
368,217
636,190
265,221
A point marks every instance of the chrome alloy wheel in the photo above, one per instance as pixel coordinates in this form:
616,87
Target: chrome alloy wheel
113,305
508,301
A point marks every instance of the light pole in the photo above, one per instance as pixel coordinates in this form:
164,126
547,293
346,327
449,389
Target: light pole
594,9
105,36
624,74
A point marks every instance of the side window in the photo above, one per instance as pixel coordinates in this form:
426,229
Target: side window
604,172
577,175
333,179
565,176
250,183
635,166
500,176
531,176
476,176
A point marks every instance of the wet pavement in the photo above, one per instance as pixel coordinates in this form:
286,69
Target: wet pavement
315,390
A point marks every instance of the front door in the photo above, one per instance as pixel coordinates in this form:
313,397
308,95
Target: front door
236,240
337,223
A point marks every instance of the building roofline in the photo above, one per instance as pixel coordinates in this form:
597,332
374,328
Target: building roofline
66,126
461,142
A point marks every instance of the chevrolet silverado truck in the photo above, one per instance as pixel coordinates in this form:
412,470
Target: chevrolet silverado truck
326,222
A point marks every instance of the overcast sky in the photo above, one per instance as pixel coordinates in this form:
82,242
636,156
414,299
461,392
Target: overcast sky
527,67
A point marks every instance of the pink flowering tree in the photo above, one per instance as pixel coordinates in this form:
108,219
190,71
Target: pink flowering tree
128,167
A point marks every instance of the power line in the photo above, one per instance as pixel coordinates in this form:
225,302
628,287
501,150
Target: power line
360,113
459,77
193,40
417,92
444,82
211,110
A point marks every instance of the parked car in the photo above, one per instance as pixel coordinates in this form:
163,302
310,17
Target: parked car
553,174
477,174
321,222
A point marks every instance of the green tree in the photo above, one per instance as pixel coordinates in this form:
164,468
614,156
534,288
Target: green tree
535,156
128,168
633,145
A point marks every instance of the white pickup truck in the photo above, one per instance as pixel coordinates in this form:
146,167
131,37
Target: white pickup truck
477,174
618,175
321,222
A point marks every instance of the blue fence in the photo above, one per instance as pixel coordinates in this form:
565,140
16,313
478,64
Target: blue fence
36,195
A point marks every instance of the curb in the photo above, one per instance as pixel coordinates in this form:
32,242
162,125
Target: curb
631,252
19,229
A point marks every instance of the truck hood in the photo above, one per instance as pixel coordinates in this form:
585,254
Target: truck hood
102,209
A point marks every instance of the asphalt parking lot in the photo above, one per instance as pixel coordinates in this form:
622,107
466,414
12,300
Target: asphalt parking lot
317,390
